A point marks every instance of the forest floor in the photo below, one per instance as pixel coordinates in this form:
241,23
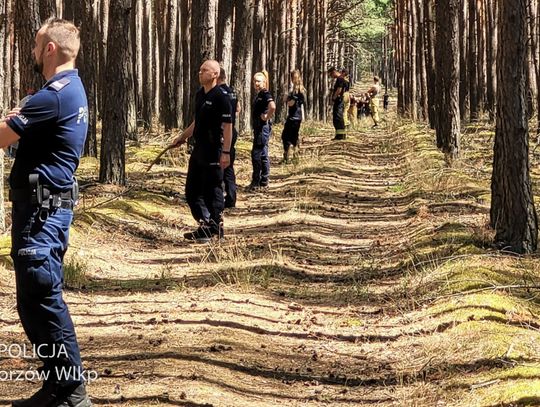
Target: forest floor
362,276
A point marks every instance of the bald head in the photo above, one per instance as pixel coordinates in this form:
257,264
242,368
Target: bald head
209,73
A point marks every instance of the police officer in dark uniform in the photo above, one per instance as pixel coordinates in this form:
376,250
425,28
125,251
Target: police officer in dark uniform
338,110
295,103
229,177
51,130
261,119
212,132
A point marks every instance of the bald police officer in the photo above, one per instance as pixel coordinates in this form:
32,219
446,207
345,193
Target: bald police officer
212,132
51,130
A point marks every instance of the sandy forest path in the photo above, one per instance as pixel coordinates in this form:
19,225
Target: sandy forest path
297,306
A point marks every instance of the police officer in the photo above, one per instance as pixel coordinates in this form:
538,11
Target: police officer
338,110
229,177
295,103
212,132
51,130
261,119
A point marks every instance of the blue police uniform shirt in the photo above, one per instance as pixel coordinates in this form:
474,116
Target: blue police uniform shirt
295,111
260,106
52,127
233,99
212,109
231,93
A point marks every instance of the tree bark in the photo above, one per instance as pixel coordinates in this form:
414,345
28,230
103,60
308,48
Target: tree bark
447,59
147,82
28,22
203,39
472,61
169,117
83,16
242,54
224,34
512,208
119,78
491,58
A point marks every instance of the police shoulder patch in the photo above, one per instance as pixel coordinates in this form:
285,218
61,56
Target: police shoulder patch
60,84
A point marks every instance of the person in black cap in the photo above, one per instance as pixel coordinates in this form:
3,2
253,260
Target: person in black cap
212,132
229,177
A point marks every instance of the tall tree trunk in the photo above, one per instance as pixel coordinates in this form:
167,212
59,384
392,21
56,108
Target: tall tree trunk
431,72
138,63
259,42
27,21
472,61
84,17
481,53
533,54
242,54
422,51
464,74
491,58
512,208
147,47
323,61
203,39
179,71
185,15
119,80
224,34
169,117
294,34
447,58
413,30
281,72
104,31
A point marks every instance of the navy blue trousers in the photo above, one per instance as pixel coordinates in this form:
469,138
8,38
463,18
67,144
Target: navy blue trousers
229,182
38,250
259,155
290,134
204,190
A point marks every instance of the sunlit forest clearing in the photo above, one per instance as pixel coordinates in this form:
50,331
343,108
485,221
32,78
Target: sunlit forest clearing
395,267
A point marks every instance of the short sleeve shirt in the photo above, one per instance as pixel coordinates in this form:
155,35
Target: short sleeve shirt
260,106
231,93
212,109
52,127
340,83
295,111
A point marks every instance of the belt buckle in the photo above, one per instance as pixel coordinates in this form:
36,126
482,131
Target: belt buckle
56,201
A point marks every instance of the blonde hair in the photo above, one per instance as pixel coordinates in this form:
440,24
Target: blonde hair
296,79
65,35
264,75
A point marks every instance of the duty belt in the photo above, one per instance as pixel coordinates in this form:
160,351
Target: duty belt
60,200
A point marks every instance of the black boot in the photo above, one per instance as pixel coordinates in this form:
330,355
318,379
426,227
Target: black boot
216,229
202,234
53,396
285,156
